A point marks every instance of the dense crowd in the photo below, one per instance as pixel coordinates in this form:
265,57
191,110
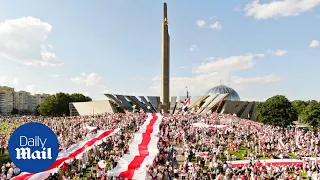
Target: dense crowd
185,151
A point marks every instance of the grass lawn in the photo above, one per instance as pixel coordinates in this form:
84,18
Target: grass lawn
4,127
242,150
303,174
293,156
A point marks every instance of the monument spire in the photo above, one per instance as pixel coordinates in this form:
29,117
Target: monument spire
165,75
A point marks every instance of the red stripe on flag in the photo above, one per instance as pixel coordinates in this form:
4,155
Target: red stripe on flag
143,150
186,102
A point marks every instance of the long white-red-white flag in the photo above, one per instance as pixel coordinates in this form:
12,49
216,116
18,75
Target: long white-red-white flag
74,152
143,149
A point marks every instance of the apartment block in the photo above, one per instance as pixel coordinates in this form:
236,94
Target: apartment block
21,100
6,99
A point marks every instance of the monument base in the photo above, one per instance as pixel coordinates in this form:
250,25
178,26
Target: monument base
164,108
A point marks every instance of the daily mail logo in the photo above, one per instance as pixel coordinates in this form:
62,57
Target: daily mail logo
25,151
33,147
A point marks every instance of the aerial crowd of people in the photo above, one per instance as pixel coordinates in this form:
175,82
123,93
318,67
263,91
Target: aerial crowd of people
185,151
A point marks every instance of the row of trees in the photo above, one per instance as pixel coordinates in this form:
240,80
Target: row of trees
58,104
279,111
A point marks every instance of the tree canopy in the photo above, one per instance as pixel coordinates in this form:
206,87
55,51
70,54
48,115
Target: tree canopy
311,114
58,104
277,111
299,105
14,111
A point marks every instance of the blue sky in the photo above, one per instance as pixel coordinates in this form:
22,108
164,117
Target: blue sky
260,48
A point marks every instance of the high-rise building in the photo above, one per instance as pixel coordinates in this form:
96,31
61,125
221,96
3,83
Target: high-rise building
23,101
6,99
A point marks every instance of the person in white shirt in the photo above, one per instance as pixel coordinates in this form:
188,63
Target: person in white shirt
309,174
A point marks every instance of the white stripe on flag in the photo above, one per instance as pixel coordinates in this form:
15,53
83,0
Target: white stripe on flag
134,166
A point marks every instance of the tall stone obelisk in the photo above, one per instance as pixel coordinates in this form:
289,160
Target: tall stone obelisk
165,76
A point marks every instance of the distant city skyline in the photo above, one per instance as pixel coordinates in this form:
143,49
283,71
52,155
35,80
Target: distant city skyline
259,48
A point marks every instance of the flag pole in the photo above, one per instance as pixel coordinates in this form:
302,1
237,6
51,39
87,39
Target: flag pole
187,92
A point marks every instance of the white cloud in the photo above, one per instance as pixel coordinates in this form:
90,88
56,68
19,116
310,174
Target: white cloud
279,8
249,99
209,74
197,84
209,59
3,81
193,47
54,75
24,40
257,80
278,52
200,83
16,81
314,44
232,63
50,46
91,79
201,23
32,89
260,55
217,25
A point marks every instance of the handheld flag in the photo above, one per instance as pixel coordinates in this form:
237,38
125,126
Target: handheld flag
186,104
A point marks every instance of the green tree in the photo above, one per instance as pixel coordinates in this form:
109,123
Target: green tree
36,112
257,110
14,111
49,106
58,104
77,97
63,100
299,106
277,111
311,114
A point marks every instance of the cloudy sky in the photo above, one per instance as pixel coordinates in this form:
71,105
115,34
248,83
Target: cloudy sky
260,48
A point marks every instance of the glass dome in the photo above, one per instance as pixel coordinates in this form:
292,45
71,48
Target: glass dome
222,89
